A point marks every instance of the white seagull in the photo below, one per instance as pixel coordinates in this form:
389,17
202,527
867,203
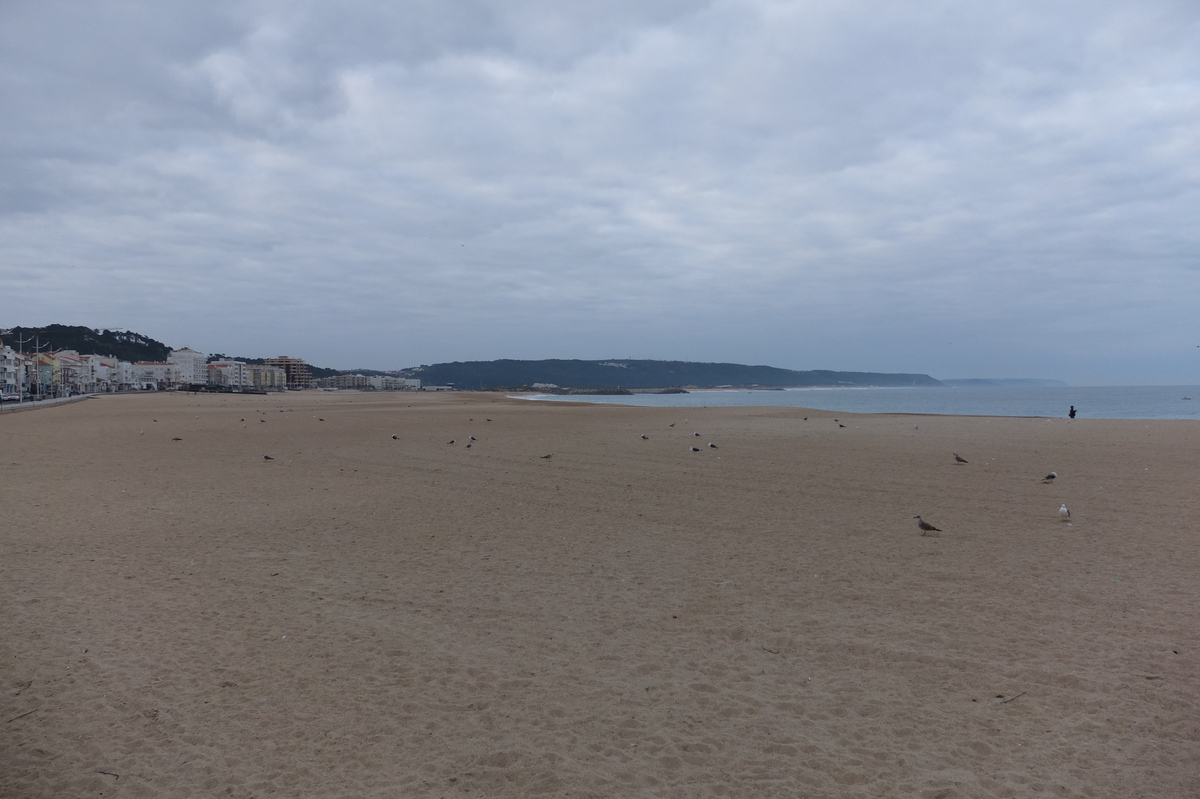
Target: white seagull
1050,477
1064,513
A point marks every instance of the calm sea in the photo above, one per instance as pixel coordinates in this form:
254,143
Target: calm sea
1092,402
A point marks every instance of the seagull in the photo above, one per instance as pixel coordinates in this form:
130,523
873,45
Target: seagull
960,458
395,437
177,439
1050,477
712,445
472,438
925,526
696,434
645,437
267,458
1064,512
548,457
468,446
451,441
695,449
841,425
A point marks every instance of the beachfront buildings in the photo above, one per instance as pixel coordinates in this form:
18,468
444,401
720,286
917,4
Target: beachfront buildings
238,374
296,369
12,367
370,383
190,365
67,372
228,373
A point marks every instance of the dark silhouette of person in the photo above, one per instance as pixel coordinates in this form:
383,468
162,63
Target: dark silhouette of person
1072,413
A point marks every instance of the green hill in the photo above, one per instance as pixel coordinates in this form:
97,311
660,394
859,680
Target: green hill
122,344
481,375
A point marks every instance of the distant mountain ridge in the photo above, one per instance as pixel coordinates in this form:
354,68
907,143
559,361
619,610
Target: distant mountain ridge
633,373
1000,382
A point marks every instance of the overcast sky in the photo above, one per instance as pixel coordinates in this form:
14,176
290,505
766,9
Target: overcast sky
952,187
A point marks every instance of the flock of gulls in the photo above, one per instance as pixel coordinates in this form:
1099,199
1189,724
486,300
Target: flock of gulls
1064,512
925,527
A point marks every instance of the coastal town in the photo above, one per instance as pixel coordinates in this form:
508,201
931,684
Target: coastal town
32,376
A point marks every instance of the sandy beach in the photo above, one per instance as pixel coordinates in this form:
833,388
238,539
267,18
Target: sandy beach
376,612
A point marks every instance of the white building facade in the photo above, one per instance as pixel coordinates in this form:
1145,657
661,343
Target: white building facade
191,365
12,370
229,373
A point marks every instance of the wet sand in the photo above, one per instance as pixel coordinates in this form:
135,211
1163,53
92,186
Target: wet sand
369,616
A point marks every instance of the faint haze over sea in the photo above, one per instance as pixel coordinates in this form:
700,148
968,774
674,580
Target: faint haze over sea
1092,402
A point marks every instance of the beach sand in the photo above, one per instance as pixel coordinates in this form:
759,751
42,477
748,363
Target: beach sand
368,616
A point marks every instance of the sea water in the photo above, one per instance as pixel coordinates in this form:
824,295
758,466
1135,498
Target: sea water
1091,402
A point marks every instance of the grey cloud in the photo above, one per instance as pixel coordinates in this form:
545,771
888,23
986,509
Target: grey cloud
764,181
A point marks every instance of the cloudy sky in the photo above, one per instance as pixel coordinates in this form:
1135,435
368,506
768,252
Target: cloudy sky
951,187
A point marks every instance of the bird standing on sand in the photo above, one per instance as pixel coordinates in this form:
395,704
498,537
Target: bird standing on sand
645,437
1063,512
925,526
695,449
267,458
548,457
712,446
1050,477
960,458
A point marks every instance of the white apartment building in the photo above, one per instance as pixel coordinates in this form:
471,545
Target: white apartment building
229,373
73,372
191,365
154,374
12,370
388,383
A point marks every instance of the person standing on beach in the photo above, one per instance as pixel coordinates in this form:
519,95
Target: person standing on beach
1072,412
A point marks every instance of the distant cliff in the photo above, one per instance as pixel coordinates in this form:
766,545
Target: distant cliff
508,374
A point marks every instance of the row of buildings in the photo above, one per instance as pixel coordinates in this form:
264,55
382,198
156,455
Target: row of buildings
64,373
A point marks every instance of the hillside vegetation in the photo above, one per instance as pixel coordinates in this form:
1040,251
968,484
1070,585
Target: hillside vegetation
480,375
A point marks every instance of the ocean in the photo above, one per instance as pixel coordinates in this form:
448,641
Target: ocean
1091,402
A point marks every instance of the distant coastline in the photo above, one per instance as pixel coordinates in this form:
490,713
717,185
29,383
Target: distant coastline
1046,402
